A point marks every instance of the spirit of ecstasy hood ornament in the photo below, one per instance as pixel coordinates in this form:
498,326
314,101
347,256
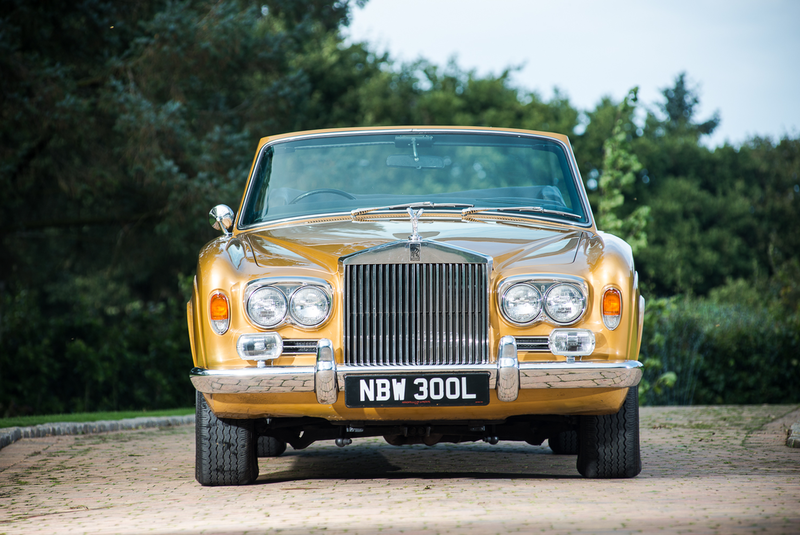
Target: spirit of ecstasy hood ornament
414,215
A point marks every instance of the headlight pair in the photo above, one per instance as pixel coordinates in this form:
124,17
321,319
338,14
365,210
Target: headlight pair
523,302
269,303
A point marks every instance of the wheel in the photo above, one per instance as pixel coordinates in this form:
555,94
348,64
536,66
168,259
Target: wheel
564,443
608,446
270,447
320,191
225,451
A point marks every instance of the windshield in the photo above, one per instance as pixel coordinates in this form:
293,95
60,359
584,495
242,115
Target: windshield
335,174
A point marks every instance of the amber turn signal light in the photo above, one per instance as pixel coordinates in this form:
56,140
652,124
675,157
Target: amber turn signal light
220,312
219,307
612,308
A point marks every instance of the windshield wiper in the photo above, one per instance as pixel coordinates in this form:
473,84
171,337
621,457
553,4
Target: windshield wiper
426,204
535,209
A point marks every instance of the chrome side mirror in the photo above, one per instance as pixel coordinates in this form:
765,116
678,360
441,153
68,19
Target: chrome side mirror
221,218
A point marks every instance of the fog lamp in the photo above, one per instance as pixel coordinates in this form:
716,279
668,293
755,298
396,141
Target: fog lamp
571,342
260,347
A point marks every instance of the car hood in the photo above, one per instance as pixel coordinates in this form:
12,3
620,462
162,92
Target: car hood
319,246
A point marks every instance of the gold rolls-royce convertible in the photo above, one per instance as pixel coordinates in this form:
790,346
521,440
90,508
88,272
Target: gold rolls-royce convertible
422,284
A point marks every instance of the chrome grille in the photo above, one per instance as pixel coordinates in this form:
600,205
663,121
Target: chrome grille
416,314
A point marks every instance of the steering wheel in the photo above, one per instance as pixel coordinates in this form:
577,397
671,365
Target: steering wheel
318,191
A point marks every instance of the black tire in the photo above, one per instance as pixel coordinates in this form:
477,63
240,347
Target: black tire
270,447
608,446
225,451
564,443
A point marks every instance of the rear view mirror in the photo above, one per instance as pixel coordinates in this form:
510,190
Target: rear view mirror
221,218
419,162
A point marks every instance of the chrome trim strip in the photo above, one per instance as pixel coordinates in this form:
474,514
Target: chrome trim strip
532,375
269,380
580,374
431,252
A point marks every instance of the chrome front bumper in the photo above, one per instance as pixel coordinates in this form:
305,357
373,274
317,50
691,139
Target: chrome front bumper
507,376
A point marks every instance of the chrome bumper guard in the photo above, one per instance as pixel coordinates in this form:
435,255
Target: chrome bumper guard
507,375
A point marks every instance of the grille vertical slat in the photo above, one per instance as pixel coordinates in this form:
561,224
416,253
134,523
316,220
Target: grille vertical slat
478,305
416,314
470,306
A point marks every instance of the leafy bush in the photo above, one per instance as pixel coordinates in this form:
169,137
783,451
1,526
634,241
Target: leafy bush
719,351
102,351
671,352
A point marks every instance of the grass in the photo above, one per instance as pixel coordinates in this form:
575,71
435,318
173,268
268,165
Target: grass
26,421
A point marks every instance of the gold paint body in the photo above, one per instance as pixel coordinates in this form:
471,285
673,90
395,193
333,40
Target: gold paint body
519,245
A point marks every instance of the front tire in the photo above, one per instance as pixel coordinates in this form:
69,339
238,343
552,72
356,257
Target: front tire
225,451
608,446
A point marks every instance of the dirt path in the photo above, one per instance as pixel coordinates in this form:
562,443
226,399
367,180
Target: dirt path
706,470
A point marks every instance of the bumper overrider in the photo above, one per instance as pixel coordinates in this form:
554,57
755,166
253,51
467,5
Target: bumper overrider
507,376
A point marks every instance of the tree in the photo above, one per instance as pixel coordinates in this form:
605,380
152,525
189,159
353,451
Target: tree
679,108
702,228
620,166
114,146
121,124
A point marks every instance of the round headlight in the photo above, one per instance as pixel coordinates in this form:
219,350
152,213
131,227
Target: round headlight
564,303
309,306
521,303
267,306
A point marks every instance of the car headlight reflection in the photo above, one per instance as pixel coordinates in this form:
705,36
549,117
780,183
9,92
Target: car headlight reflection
521,303
309,306
564,303
267,306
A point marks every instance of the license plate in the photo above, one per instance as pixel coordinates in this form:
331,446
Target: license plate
416,390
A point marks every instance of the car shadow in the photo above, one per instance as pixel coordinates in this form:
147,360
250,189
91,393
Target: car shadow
450,461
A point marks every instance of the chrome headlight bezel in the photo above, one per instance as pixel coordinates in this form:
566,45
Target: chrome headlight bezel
277,295
544,284
507,301
289,287
578,301
324,299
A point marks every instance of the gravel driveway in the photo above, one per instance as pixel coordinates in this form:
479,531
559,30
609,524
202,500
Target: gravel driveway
706,470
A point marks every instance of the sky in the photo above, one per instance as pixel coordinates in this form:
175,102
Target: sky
742,56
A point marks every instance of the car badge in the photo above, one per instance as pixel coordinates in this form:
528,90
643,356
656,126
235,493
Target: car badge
414,246
414,215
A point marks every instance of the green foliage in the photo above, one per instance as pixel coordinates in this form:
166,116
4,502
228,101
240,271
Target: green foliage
679,108
113,148
655,382
715,214
671,345
90,346
726,349
122,123
620,166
